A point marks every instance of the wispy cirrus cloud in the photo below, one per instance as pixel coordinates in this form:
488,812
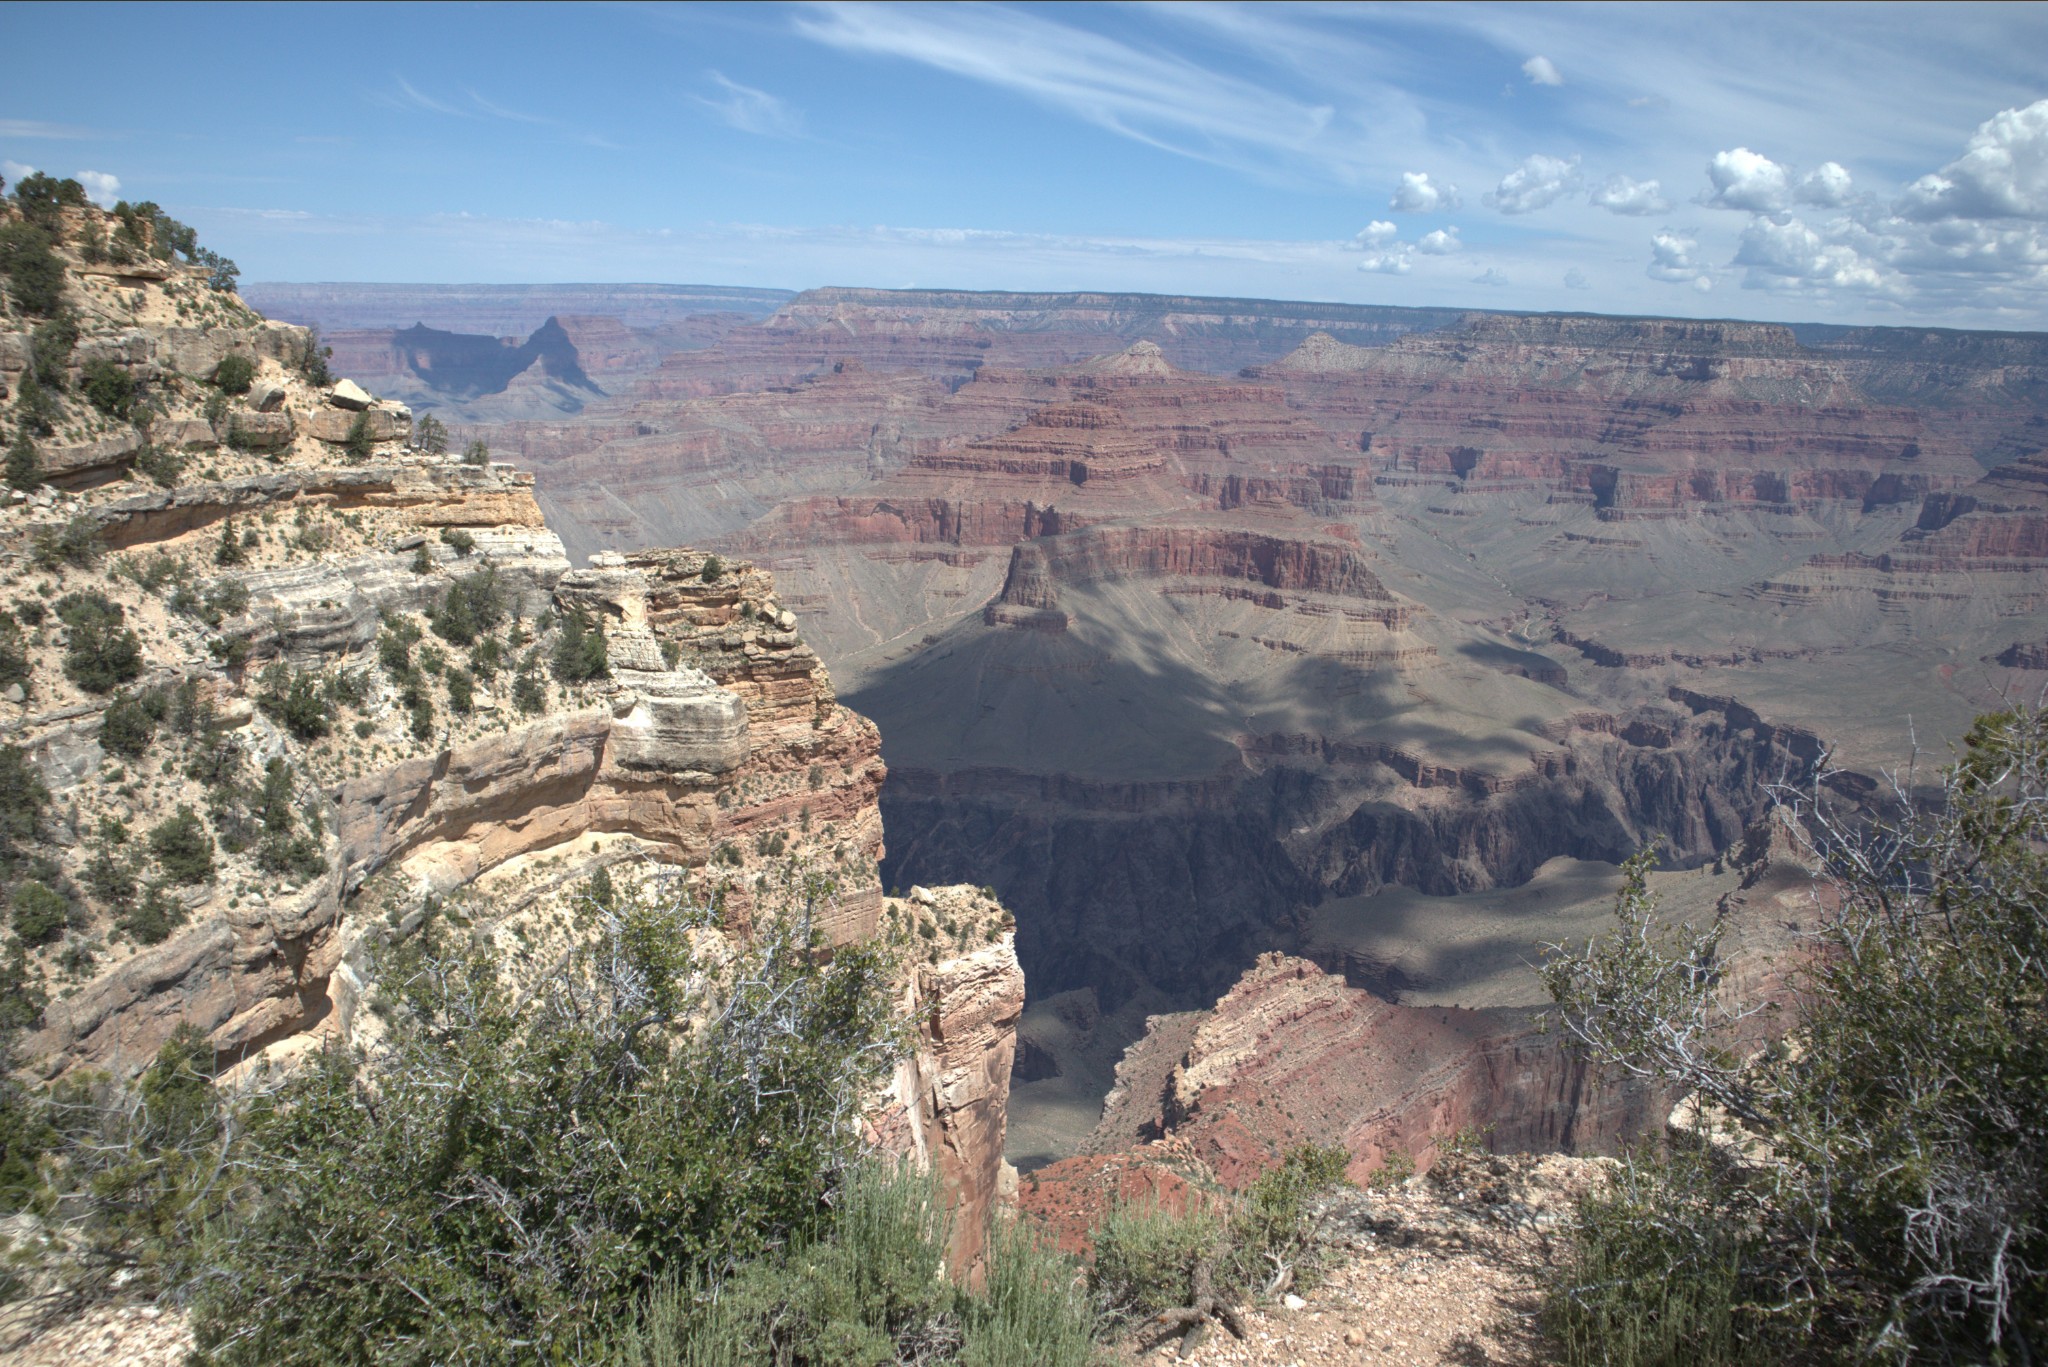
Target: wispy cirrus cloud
751,110
56,132
403,94
1146,94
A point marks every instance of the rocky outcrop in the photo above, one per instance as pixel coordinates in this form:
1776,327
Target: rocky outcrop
947,1105
1292,1055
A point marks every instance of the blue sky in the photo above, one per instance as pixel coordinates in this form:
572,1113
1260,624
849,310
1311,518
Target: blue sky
1882,164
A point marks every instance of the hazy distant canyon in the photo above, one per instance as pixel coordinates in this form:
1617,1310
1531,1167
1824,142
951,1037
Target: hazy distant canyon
1202,628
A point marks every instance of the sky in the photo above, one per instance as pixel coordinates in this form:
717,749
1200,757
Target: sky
1884,164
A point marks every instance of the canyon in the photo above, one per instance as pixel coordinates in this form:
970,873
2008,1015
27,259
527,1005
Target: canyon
1205,631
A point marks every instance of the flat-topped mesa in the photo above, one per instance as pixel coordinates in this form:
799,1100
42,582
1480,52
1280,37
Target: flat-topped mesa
1654,415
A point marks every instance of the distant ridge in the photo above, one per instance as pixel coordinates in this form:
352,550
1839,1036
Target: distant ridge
500,310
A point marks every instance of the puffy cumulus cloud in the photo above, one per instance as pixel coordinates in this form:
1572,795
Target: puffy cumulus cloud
1674,260
2002,173
1542,71
1792,255
1418,194
101,188
1751,181
1743,179
1490,276
1393,262
1828,186
1537,182
1442,242
1638,198
12,171
1575,279
1377,233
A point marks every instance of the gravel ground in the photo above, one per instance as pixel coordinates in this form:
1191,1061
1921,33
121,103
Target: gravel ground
1444,1270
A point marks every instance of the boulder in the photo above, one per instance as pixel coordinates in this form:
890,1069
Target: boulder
350,395
14,351
188,434
266,397
333,424
260,431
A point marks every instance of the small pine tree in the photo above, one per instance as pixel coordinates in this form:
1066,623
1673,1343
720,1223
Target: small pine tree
359,442
476,453
431,436
24,471
229,551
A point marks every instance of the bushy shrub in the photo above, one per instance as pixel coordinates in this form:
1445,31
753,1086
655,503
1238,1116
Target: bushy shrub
50,347
14,661
109,388
35,277
1878,1185
713,571
229,550
39,912
506,1173
458,540
473,605
75,544
235,373
359,442
162,464
529,694
151,920
129,724
431,435
580,653
183,847
476,453
295,700
100,653
24,467
23,795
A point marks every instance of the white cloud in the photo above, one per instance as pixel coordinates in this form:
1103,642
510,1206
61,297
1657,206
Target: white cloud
1542,71
1395,262
1575,279
1442,242
1743,179
1420,195
1790,253
1537,182
1827,187
1673,260
1141,92
1490,276
1619,194
36,128
101,188
751,110
1377,233
12,171
2003,172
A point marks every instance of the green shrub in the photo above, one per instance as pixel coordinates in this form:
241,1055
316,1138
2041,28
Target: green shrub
579,653
14,661
75,544
473,605
476,453
151,920
422,722
458,540
24,469
100,653
529,694
229,550
23,796
182,847
50,348
109,879
129,724
1878,1204
109,388
162,464
461,692
1145,1256
39,912
35,277
431,435
235,373
359,443
713,571
510,1171
294,700
312,360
